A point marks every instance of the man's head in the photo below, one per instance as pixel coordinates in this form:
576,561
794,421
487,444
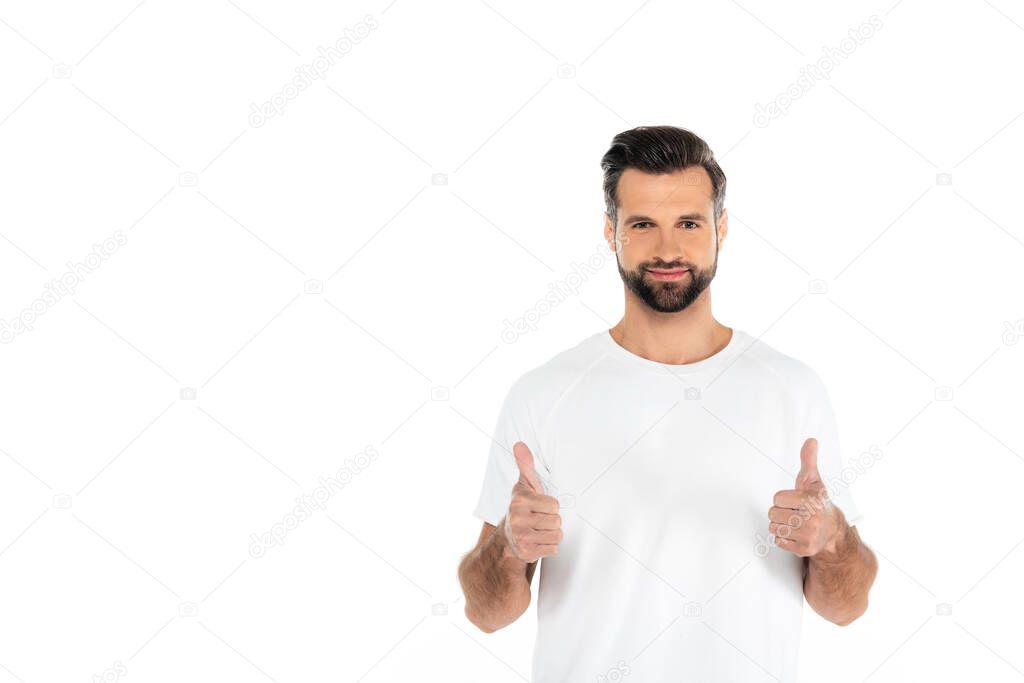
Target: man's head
664,196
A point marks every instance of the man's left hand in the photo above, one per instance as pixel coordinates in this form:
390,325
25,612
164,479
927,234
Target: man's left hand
803,519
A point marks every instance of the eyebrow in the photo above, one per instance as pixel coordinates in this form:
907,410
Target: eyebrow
686,216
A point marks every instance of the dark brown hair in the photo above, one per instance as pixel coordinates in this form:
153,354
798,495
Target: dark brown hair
659,149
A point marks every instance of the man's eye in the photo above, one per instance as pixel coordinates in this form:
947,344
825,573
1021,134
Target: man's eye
695,226
637,225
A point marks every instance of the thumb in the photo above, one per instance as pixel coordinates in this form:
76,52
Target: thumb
527,473
808,465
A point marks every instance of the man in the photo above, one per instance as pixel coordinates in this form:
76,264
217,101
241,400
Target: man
681,479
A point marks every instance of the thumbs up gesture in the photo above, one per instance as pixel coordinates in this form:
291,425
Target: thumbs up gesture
804,519
533,526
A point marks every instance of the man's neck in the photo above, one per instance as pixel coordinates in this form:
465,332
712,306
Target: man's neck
674,338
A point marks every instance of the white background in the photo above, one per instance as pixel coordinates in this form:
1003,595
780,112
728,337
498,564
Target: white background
128,511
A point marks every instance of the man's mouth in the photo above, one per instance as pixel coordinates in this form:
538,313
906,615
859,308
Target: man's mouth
668,274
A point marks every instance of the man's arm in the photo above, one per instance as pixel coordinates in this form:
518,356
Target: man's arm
837,579
495,582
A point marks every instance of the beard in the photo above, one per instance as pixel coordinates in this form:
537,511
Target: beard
668,296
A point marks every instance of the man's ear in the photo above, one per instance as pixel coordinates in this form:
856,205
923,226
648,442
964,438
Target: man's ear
723,227
609,231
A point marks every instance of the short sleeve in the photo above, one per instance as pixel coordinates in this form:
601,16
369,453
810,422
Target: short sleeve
501,473
819,421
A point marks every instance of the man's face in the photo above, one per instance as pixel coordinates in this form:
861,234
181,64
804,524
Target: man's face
665,223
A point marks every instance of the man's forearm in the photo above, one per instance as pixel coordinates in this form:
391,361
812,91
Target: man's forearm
838,579
495,583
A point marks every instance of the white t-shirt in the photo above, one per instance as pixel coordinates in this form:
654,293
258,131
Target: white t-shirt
664,475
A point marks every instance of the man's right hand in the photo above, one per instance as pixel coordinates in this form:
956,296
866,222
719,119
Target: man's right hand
533,526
